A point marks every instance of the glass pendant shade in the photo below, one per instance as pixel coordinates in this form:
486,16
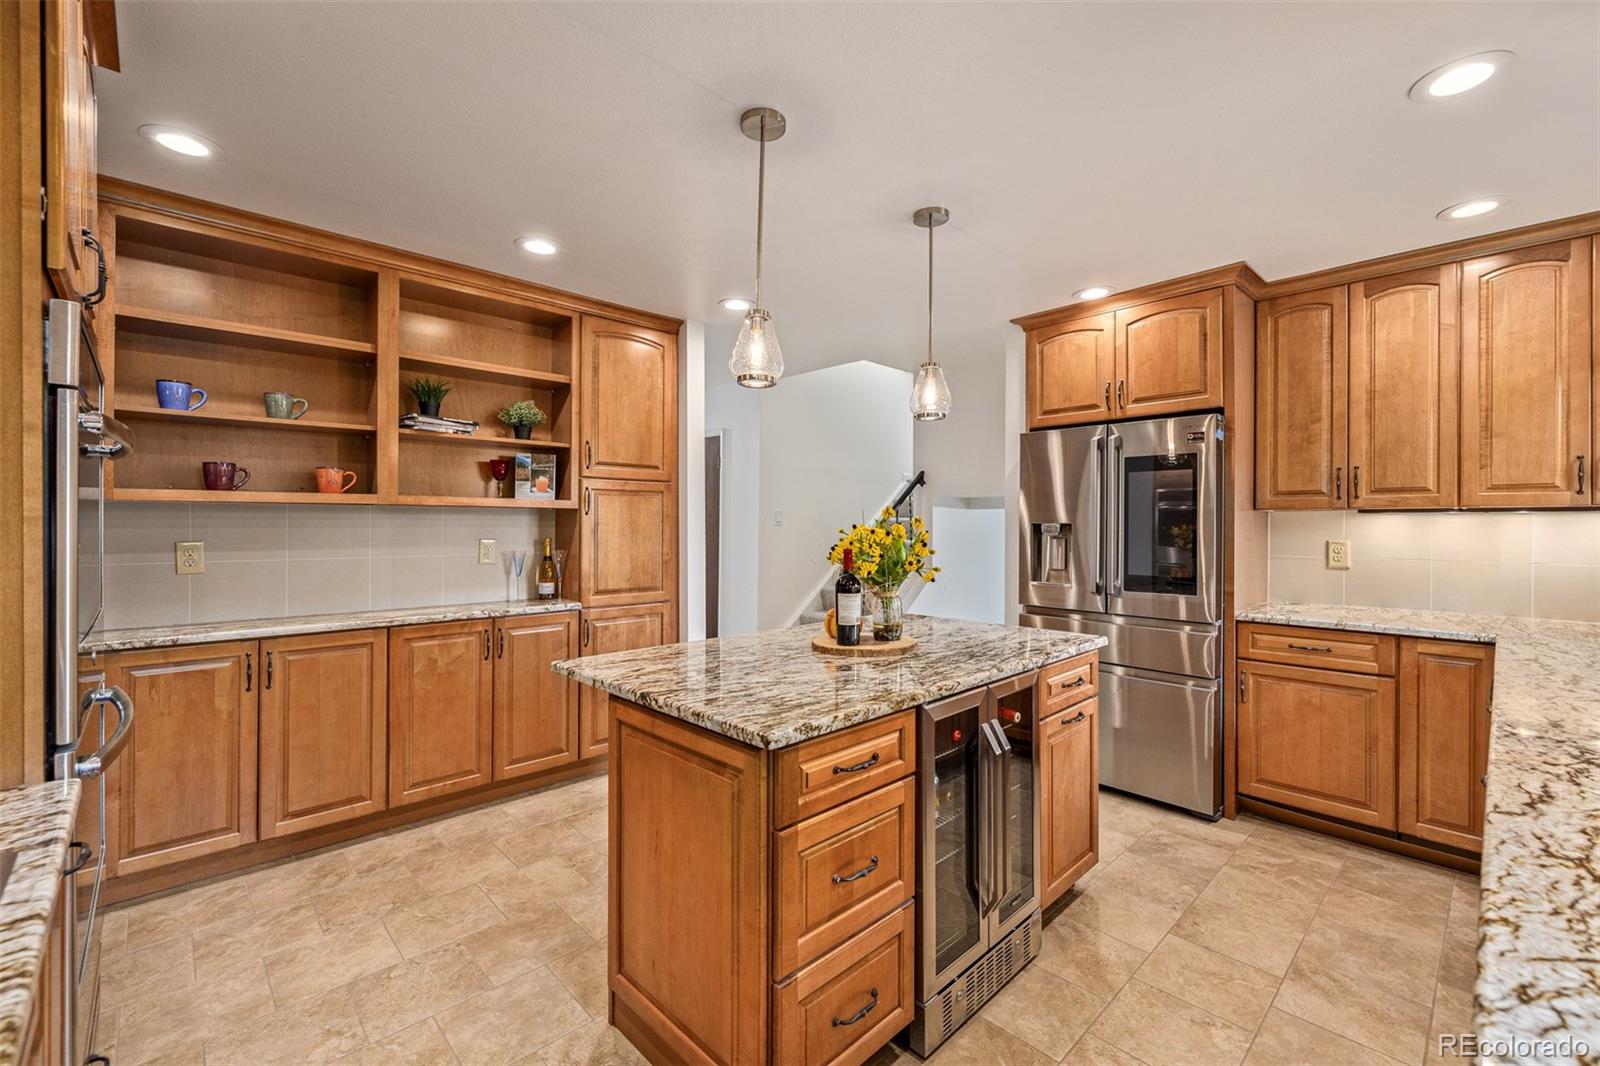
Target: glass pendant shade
930,395
757,361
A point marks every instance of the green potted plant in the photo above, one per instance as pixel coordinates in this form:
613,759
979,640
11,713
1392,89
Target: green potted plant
429,393
522,416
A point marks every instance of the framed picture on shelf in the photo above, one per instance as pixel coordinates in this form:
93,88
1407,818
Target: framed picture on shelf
536,477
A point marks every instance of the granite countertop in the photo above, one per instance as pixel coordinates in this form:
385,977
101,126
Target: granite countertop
771,689
293,625
36,822
1539,916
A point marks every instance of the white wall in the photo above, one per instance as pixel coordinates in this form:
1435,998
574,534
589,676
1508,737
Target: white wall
1543,564
964,454
968,537
736,412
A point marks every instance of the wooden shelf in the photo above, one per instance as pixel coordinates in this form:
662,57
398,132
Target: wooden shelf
197,327
241,496
167,414
492,371
484,440
486,501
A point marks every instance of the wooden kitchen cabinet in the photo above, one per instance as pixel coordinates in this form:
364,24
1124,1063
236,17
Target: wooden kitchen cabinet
535,710
615,629
1169,356
630,401
324,729
1069,791
630,531
1301,405
184,784
70,160
1526,377
1405,389
1444,740
441,699
1318,740
1071,370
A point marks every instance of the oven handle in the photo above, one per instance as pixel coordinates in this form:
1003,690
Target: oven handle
95,764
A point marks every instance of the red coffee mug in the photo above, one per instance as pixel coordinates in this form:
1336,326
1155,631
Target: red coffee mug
224,477
335,479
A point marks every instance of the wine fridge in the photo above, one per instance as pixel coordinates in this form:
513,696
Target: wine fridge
977,882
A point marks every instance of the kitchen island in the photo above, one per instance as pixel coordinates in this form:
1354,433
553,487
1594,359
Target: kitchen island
764,815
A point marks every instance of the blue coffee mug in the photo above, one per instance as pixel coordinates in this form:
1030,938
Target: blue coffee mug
179,395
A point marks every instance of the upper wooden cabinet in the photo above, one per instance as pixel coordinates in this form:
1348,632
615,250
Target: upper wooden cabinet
1301,368
70,133
1405,389
630,401
441,697
1071,368
1444,740
185,783
629,553
535,710
1169,356
324,729
1525,378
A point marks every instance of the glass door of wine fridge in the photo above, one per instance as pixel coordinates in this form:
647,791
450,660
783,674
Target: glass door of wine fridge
956,843
1016,807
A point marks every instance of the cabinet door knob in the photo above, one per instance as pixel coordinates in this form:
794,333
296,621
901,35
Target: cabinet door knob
1355,483
1338,483
502,652
1242,679
585,632
588,454
269,670
249,671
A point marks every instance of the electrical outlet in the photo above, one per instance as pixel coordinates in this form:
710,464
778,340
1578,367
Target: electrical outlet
1338,555
486,552
191,556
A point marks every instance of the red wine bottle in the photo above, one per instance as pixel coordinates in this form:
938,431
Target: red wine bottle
847,603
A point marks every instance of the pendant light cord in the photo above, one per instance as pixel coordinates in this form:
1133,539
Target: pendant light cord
930,294
761,202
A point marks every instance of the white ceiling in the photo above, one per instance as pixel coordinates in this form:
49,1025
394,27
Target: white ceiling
1073,144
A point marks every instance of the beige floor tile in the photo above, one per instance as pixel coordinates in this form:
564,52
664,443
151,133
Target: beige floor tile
521,889
319,1030
1090,1050
300,879
1226,987
1463,917
1300,842
1384,917
554,804
1250,937
418,1045
157,1019
588,907
1174,845
1407,882
584,975
374,852
1160,1028
1355,1007
1113,842
1046,1011
512,1020
392,999
982,1043
1458,964
181,914
444,868
1122,913
593,824
1452,1016
168,963
1090,959
420,925
524,845
1170,884
1401,966
337,958
594,1044
1284,897
253,936
1126,814
482,827
367,895
540,935
1284,1040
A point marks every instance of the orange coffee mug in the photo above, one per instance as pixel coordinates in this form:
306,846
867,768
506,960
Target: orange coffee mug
332,479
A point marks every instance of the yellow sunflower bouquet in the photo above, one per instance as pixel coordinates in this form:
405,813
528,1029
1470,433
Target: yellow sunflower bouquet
884,554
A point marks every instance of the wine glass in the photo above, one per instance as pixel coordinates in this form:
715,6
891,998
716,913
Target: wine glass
559,556
519,559
499,469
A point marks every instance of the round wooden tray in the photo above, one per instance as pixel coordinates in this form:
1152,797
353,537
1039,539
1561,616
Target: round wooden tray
828,646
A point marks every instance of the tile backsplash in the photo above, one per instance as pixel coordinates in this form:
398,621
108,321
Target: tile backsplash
1540,564
265,561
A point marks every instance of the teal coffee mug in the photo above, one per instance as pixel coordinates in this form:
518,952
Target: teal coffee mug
284,405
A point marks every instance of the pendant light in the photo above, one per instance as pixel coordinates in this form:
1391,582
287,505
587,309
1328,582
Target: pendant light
930,396
757,361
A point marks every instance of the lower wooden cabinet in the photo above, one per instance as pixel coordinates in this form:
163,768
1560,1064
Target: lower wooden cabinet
441,701
1069,797
1444,740
185,782
324,729
610,629
535,710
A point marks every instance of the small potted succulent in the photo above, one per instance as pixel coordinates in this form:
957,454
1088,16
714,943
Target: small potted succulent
429,393
522,416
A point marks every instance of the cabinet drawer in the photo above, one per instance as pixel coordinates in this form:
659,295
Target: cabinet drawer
847,1004
1067,683
1320,649
840,871
810,777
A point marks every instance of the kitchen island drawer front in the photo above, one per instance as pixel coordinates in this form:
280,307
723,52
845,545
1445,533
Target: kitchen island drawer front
1067,683
840,871
845,1006
1319,649
814,775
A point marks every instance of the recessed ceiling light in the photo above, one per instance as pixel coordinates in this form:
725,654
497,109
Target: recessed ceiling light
1458,76
181,141
1093,292
537,245
1481,205
736,303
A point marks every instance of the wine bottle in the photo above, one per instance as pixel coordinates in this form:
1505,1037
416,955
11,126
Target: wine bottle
847,603
547,574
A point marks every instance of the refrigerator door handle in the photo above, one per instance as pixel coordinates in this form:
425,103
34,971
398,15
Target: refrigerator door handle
95,764
1114,513
1099,494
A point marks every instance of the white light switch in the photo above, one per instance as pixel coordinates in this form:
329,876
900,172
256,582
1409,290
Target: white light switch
777,518
486,552
1338,555
191,556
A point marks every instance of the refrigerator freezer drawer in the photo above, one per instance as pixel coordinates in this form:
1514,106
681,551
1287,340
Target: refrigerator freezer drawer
1193,649
1158,737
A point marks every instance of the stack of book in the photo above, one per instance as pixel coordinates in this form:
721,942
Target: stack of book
433,424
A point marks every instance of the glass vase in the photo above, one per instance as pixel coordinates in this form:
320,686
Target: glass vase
888,615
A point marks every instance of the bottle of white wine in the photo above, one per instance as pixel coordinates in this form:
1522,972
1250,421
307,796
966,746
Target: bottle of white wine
547,574
847,603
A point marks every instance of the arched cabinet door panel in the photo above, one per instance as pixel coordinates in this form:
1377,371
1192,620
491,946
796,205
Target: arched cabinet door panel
1169,356
1071,372
630,402
1301,357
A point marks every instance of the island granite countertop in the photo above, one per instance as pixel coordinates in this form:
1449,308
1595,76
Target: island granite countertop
770,689
36,822
1539,912
294,625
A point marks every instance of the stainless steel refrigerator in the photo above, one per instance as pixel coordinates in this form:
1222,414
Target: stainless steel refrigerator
1121,527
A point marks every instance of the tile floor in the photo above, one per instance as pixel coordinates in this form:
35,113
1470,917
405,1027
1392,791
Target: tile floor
480,939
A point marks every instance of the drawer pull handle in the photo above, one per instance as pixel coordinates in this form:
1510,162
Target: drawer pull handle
1082,681
81,855
845,879
858,1015
1074,721
1318,648
865,764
